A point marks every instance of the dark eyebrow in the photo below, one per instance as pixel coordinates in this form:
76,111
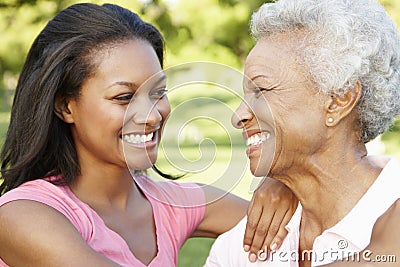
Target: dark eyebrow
123,83
133,85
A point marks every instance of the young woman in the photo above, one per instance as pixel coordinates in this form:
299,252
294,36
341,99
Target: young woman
69,198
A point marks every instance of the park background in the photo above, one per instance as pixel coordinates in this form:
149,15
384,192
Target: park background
207,30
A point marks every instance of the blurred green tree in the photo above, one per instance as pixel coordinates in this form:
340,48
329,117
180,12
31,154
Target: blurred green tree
209,30
20,21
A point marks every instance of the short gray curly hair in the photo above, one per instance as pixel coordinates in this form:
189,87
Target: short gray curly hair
351,40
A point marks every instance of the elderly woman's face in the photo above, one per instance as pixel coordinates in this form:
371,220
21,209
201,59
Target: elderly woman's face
282,114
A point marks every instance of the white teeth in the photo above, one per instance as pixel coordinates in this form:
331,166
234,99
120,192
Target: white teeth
265,137
257,139
137,139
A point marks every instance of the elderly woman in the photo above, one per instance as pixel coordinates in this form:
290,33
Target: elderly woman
322,80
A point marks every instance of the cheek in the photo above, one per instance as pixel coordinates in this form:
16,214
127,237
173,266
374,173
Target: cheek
264,115
111,116
299,132
164,108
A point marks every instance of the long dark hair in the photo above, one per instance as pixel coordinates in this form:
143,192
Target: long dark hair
38,143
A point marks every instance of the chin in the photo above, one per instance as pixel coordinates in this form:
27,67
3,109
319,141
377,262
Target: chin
256,171
152,159
261,168
141,161
140,165
259,173
135,167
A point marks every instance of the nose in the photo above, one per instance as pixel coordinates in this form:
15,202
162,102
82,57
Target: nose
146,112
241,116
154,116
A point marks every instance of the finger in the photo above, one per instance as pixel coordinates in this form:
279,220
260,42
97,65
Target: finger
277,223
260,234
278,239
250,207
251,226
281,234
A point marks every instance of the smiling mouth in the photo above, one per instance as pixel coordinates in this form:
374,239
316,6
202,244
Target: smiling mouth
138,138
257,139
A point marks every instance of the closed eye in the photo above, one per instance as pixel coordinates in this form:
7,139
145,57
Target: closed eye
124,97
258,90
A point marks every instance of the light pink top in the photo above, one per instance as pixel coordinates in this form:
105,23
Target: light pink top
178,209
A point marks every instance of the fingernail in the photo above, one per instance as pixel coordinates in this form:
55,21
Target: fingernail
253,257
274,246
246,248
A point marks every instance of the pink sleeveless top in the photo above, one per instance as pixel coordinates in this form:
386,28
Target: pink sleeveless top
178,209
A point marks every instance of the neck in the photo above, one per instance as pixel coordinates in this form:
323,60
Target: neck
105,187
329,184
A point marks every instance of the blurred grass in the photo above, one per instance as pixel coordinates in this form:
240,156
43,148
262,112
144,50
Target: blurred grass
194,252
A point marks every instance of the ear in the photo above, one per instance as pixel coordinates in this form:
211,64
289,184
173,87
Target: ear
338,107
62,108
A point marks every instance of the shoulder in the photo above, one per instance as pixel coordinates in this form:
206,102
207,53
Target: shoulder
39,190
35,234
28,223
386,234
42,193
20,212
386,227
38,185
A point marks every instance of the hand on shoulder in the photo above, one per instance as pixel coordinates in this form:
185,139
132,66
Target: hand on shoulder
270,210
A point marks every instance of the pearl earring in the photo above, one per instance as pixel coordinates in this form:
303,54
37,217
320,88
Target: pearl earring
330,120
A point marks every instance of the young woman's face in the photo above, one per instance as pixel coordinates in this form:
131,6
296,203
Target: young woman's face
121,108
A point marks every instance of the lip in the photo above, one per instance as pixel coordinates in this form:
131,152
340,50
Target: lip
251,149
248,133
